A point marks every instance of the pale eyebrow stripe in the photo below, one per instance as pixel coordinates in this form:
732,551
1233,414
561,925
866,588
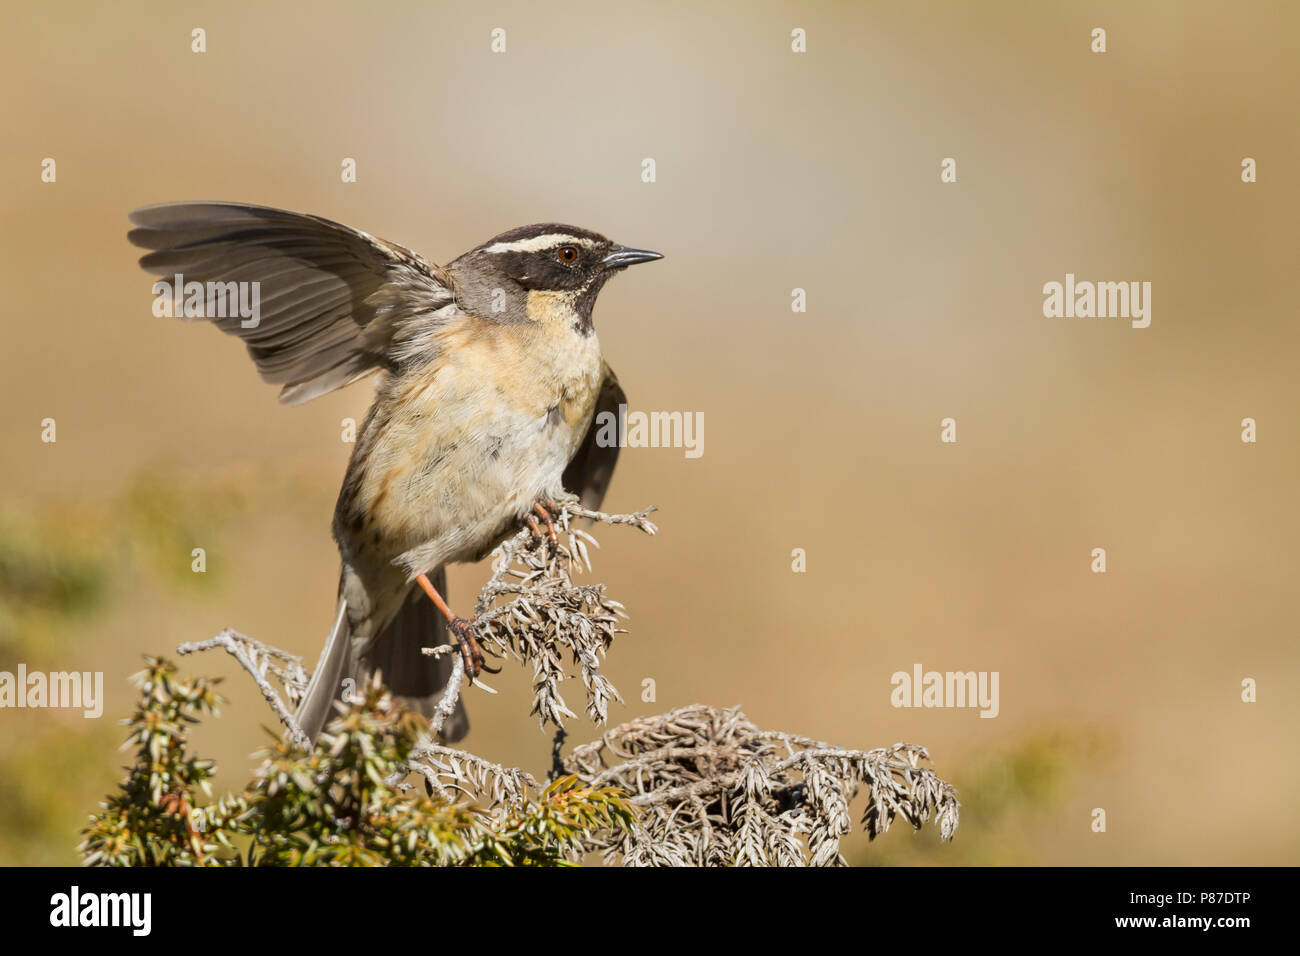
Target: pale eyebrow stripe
538,243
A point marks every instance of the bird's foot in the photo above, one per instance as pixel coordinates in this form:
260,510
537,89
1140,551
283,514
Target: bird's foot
461,629
544,510
470,651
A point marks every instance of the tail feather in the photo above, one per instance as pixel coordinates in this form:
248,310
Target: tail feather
415,677
396,654
327,679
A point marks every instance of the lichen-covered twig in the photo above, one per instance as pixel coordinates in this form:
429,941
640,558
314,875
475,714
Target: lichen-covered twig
258,658
451,693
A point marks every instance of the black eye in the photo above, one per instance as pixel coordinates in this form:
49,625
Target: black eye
567,254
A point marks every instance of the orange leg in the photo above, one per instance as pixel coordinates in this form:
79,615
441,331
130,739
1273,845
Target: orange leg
461,628
550,524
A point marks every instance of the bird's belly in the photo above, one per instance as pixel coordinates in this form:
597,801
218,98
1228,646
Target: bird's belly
457,466
460,499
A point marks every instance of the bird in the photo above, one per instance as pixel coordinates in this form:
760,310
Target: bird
490,383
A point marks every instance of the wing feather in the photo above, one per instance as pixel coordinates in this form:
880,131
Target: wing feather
589,471
332,300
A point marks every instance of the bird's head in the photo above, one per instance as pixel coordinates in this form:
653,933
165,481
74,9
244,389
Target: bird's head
543,272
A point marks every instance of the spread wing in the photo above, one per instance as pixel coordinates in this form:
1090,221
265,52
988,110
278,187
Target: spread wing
334,302
591,468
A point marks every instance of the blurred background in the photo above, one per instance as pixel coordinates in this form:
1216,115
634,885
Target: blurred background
775,171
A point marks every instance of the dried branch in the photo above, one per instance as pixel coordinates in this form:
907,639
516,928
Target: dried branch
716,790
451,693
711,787
447,769
258,658
532,610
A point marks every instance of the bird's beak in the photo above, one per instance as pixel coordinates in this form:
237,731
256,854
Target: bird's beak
621,256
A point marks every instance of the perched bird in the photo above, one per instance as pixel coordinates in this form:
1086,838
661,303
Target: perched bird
490,380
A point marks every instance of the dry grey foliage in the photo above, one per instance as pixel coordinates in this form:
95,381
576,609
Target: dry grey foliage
715,790
258,658
532,610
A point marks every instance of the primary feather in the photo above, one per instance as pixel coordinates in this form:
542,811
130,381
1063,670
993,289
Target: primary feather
336,299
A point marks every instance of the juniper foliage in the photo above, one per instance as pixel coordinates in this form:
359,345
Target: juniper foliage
332,806
699,786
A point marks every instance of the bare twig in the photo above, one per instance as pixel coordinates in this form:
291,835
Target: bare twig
258,658
557,754
450,693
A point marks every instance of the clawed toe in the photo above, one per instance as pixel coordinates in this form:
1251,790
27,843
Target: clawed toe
470,651
544,509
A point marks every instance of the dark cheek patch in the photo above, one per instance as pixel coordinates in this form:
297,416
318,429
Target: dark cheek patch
541,271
